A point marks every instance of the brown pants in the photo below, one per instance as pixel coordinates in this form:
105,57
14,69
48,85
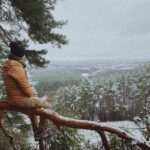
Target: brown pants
35,102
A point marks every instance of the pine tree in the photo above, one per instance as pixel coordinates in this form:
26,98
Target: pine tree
142,100
30,20
27,21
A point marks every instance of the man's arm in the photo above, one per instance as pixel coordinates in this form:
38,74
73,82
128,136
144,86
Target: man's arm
18,73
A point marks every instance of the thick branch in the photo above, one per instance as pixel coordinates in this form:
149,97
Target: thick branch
104,140
74,123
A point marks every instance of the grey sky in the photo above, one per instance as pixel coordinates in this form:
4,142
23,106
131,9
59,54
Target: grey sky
104,29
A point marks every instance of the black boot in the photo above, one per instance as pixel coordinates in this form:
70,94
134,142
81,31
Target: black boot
41,134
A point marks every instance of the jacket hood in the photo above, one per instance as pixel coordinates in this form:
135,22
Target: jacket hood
11,63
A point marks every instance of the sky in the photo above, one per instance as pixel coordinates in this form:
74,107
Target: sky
105,29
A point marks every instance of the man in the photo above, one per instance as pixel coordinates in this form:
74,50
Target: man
19,91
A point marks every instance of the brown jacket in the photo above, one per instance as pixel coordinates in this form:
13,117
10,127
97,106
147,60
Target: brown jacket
17,87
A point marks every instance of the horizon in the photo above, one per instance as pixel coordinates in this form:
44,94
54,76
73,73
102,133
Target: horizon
100,59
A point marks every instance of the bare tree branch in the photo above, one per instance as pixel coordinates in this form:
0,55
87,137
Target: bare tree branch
104,140
74,123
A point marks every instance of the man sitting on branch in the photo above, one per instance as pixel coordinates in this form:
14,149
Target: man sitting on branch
18,89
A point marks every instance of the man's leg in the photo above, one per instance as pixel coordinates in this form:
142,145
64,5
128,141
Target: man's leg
34,122
35,102
43,123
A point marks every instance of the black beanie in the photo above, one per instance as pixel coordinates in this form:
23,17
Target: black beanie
17,49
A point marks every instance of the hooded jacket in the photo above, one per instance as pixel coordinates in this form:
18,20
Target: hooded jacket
17,87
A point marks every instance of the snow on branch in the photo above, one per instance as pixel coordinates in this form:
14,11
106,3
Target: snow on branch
59,120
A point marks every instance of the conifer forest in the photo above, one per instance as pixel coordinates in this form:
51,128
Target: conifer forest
90,60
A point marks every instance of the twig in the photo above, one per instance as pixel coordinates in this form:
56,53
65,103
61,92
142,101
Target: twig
5,33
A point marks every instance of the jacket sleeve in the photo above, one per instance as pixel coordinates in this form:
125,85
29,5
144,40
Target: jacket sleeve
19,74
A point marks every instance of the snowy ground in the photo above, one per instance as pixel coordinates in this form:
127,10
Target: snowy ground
129,126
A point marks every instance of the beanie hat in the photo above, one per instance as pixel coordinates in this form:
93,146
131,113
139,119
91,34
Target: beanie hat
17,49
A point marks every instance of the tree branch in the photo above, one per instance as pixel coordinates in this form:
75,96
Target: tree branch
4,130
4,33
74,123
104,140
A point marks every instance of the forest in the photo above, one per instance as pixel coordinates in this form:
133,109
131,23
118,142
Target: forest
107,96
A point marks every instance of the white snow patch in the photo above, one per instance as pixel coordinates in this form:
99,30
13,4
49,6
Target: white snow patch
129,126
91,136
27,120
32,141
85,75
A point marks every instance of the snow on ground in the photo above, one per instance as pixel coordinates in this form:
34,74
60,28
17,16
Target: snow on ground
129,126
32,142
85,75
91,136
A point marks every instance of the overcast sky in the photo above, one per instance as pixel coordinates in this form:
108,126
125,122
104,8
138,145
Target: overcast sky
104,29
